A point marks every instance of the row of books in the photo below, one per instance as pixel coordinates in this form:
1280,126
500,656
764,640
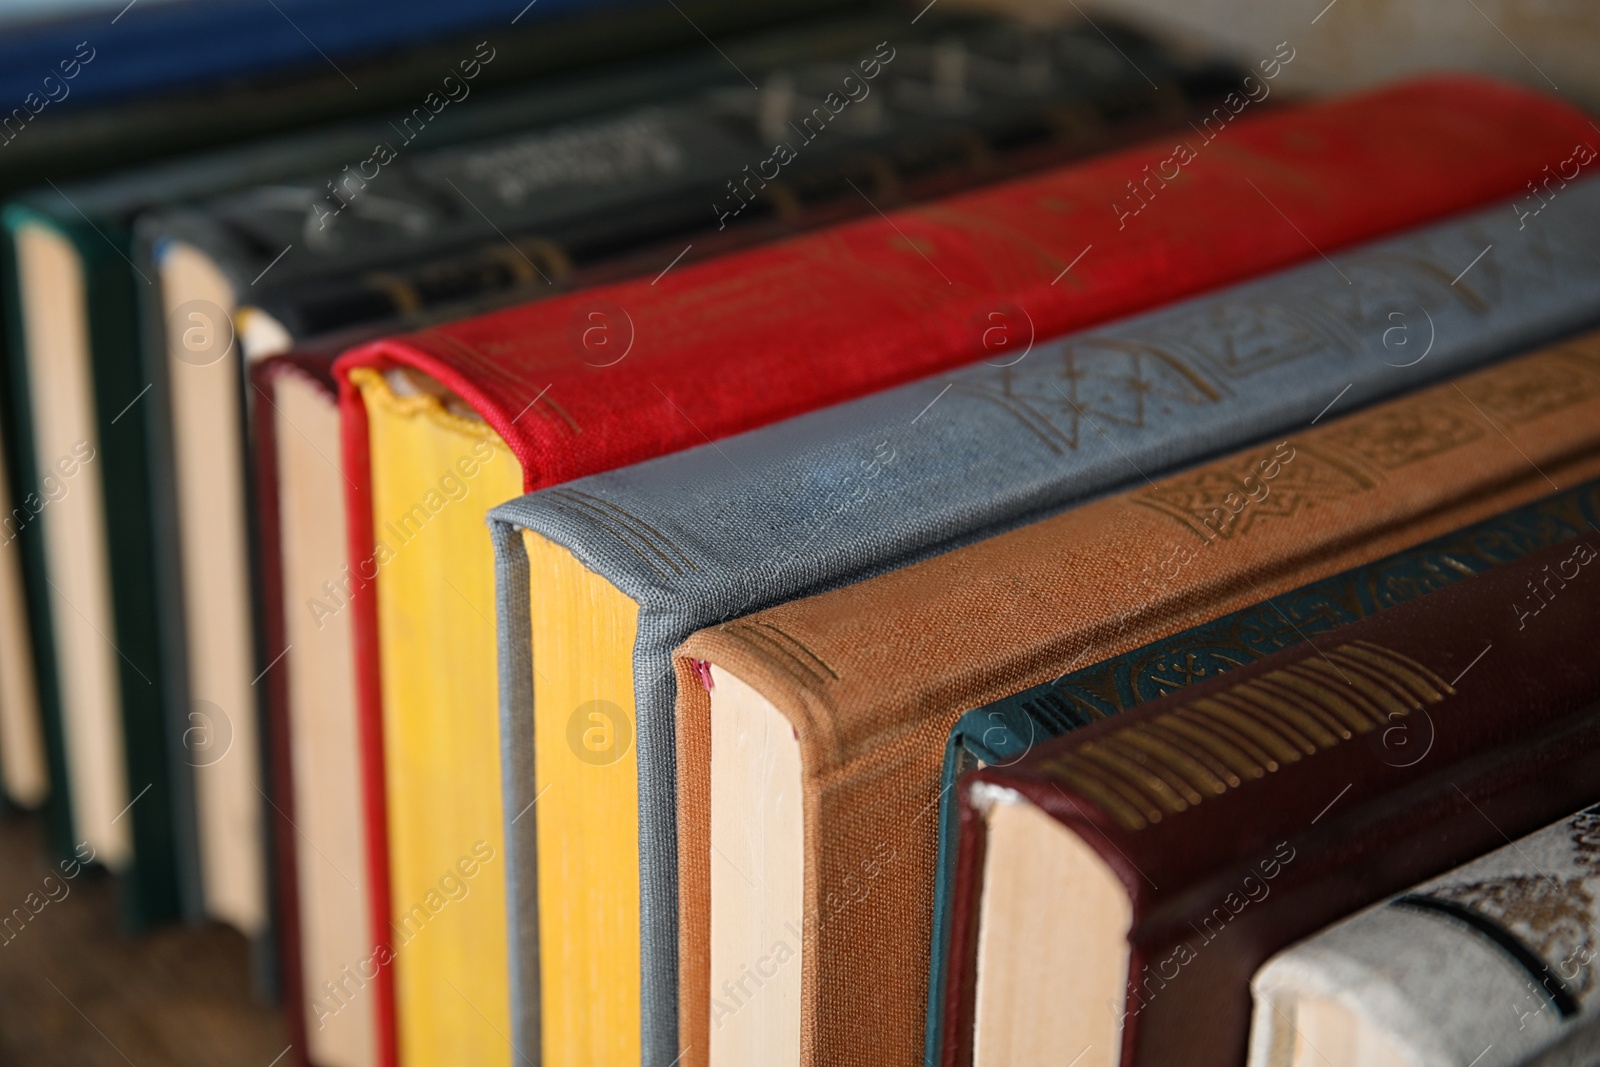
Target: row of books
892,427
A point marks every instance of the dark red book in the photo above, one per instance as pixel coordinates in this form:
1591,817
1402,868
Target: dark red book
320,894
1183,843
599,379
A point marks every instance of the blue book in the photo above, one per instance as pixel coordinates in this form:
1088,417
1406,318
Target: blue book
114,51
692,539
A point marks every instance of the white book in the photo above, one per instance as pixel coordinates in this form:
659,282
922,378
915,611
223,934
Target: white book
1491,965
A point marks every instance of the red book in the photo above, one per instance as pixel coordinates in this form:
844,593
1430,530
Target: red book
595,380
724,346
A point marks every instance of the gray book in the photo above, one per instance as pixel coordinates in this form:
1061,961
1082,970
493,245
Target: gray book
839,495
1491,965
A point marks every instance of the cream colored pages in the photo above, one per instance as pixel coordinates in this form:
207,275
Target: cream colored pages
1052,945
73,521
757,879
23,768
260,335
335,930
207,429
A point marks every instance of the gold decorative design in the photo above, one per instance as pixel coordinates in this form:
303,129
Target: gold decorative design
1401,434
1530,388
1225,500
1549,914
400,292
1143,772
547,258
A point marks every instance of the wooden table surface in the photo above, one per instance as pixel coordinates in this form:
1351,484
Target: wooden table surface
73,990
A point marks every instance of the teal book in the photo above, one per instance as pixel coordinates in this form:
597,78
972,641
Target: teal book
1004,732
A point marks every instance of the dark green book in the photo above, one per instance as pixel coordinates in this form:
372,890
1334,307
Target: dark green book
1004,732
57,138
94,584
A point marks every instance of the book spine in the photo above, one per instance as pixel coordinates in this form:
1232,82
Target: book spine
1003,733
900,312
282,834
155,753
363,605
1043,121
1497,953
529,265
1384,753
1341,495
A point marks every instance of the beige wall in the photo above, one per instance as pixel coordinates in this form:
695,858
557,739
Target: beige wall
1359,42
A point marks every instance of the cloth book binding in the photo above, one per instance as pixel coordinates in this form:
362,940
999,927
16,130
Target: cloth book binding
80,235
873,303
872,676
1490,965
849,491
305,632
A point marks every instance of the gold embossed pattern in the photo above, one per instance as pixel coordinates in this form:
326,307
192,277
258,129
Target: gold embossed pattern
1154,768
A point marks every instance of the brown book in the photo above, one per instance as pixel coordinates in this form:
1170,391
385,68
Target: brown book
845,699
1120,885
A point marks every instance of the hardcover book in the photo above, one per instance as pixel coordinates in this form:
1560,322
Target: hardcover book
533,396
635,166
847,697
321,883
1001,733
197,44
1200,834
24,764
844,493
74,285
84,98
1487,966
944,87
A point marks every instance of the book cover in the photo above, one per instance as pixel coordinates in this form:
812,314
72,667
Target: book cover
104,671
867,680
847,492
1204,832
880,301
319,869
1490,965
79,102
198,43
235,232
628,165
95,218
85,97
998,734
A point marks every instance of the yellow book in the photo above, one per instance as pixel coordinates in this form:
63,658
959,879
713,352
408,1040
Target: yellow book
435,472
